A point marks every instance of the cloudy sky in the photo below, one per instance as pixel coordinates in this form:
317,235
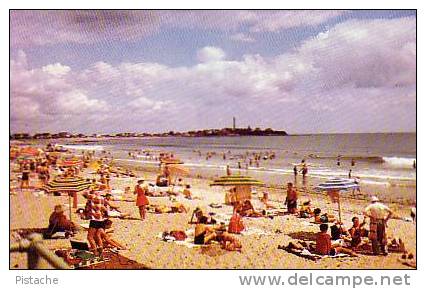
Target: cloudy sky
155,71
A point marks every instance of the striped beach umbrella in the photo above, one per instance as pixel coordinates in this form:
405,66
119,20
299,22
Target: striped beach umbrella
242,187
67,184
334,186
236,181
70,185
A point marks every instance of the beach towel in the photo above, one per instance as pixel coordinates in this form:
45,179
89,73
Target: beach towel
187,242
304,253
111,259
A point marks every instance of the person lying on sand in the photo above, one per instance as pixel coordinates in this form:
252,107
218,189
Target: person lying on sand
112,210
205,235
246,209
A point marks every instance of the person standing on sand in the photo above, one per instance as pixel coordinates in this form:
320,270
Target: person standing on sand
291,199
228,170
141,199
379,214
295,171
25,178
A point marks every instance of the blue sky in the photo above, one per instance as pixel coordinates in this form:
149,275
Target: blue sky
294,70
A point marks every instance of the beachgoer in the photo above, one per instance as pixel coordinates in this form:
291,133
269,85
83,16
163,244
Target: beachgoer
162,181
96,215
295,171
25,179
414,164
291,199
350,174
227,241
304,170
203,234
236,224
357,232
200,218
413,214
246,209
352,162
58,222
305,210
378,214
187,192
141,199
338,231
106,238
324,247
228,170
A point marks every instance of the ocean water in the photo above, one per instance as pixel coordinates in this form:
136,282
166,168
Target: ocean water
381,159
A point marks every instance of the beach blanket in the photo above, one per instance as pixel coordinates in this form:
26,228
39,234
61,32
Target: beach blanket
111,259
304,253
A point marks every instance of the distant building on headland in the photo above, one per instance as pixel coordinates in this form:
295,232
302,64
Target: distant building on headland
234,131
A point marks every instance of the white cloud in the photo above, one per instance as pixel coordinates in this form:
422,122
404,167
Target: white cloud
358,69
56,69
210,53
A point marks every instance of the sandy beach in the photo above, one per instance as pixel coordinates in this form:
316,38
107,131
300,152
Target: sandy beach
259,249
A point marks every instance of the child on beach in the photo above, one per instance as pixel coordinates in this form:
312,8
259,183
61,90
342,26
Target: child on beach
291,199
357,232
187,193
141,199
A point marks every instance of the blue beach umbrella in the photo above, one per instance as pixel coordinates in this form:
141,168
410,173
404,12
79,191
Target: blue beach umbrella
334,186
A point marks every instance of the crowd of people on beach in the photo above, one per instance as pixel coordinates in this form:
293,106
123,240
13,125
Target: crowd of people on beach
100,208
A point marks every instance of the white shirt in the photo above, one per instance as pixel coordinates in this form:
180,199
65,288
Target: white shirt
377,211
